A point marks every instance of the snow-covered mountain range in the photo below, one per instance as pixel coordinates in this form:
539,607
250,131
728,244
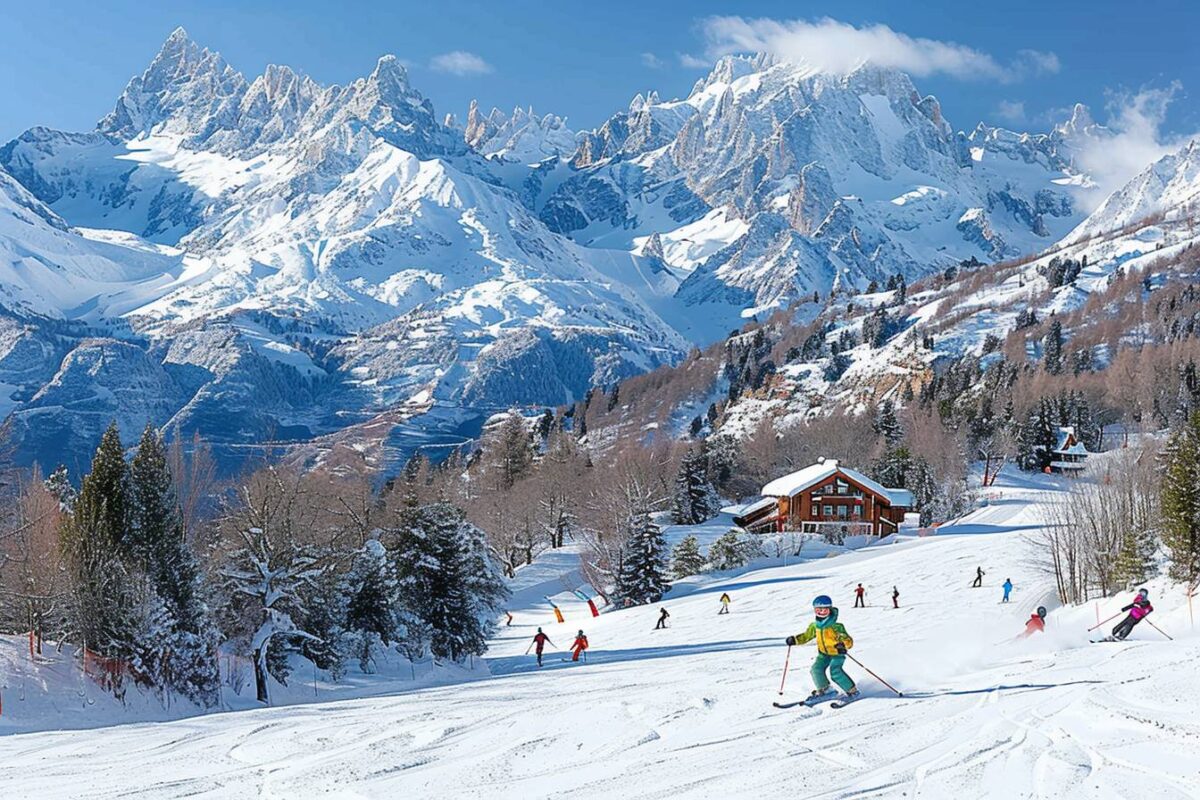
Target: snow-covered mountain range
273,258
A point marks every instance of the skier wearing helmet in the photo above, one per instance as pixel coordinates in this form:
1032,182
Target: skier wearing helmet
1138,610
832,644
578,646
1036,622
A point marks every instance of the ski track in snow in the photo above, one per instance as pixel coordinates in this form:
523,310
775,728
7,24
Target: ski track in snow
686,711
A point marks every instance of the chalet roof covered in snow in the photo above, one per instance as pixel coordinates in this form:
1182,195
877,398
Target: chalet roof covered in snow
796,482
749,507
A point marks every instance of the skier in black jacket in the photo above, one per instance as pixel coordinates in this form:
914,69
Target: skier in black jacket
662,619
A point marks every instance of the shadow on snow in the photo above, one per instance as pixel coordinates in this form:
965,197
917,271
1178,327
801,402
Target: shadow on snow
510,665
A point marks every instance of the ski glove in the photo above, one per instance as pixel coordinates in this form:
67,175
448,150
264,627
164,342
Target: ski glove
841,648
791,640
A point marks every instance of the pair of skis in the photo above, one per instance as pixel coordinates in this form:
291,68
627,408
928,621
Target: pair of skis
826,696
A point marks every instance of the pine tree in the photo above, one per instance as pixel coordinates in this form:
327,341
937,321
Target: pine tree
888,425
731,551
373,619
643,574
1052,348
545,425
695,498
94,541
323,614
1134,564
447,580
893,467
1181,501
158,548
1036,439
59,484
686,559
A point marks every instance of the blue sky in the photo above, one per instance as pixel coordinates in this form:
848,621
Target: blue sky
1016,63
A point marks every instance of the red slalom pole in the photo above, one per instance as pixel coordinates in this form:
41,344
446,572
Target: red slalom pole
1110,619
787,660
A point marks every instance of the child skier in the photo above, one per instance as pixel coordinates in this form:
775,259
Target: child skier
662,618
725,601
859,602
539,641
578,646
1138,610
832,644
1007,589
1036,623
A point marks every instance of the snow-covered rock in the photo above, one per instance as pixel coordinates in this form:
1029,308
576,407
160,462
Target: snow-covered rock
1170,185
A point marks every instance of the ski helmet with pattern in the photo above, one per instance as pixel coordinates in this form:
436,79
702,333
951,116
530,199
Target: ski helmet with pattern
823,601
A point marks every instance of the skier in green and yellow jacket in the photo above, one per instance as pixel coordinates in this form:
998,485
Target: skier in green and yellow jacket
832,644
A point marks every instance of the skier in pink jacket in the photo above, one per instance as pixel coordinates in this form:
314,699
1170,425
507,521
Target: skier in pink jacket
1138,610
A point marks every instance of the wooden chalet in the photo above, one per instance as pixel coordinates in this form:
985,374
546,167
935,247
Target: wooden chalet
829,499
1069,456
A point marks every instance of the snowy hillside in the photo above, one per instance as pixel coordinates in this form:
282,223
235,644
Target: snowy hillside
1169,186
686,711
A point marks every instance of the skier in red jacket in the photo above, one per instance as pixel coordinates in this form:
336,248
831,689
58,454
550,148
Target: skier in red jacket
1036,622
858,597
539,641
578,646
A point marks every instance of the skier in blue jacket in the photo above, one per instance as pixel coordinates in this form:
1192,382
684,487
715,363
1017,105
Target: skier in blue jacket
1007,589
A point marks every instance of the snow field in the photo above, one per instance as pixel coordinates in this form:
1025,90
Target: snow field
686,712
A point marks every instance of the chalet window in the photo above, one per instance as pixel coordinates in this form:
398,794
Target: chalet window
841,512
829,511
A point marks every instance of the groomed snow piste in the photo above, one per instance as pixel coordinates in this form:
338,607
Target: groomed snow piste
686,712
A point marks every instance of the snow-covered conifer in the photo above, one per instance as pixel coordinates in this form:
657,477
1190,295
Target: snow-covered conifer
643,574
695,498
731,551
686,558
1181,501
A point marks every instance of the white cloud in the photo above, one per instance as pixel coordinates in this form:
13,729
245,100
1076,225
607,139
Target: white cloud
1135,139
692,62
832,46
1011,111
460,62
652,61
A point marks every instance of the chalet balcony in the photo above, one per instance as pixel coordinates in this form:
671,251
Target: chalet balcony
834,531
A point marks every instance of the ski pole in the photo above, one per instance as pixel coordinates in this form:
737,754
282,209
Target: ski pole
787,659
1110,619
527,649
1160,630
876,677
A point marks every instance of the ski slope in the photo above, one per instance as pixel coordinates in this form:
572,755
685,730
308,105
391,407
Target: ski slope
686,711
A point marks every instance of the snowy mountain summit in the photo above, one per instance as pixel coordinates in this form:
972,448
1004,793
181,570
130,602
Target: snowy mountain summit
347,240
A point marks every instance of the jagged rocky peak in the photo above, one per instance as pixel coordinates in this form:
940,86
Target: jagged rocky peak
187,89
1081,122
729,68
389,79
387,105
522,135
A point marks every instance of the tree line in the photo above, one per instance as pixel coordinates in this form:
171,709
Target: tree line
155,567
